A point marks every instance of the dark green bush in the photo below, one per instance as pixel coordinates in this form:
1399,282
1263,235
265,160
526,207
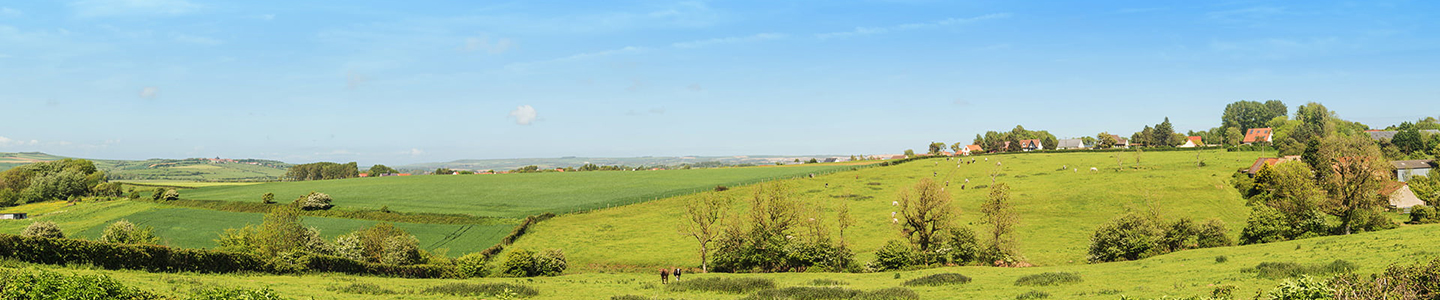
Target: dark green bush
526,263
1128,237
1278,270
894,255
938,280
1048,279
236,294
894,293
1221,259
326,263
1397,282
362,288
722,285
1421,214
484,289
1033,294
40,284
827,282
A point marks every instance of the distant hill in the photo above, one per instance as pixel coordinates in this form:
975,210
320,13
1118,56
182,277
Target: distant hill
189,169
647,161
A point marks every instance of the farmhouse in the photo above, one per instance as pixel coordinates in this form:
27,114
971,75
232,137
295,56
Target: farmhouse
12,216
1071,144
1261,163
1404,169
1192,142
1400,195
1031,144
1121,142
1258,135
1381,134
971,148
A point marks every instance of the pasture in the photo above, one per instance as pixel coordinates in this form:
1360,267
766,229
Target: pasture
511,195
1059,209
1181,274
198,228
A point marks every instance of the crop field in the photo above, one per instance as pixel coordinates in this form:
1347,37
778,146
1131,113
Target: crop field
1059,209
198,228
143,184
1181,274
511,195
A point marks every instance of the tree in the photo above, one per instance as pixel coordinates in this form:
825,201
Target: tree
281,231
926,211
444,171
1244,115
401,250
953,148
124,232
936,147
44,229
844,220
909,153
1409,140
1354,177
1162,135
703,217
377,170
1001,218
1106,140
267,198
1145,136
1047,140
314,201
170,195
1088,141
1233,136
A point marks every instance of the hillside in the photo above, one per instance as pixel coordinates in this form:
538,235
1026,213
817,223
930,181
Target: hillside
190,169
1181,274
570,161
512,195
198,228
1058,209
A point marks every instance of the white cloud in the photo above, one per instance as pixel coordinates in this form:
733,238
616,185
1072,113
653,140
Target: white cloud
729,40
105,8
198,40
149,92
501,45
5,142
524,115
860,31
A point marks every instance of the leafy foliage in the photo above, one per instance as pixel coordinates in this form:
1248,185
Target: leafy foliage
124,232
45,229
322,171
39,284
722,285
1048,279
526,263
938,280
221,293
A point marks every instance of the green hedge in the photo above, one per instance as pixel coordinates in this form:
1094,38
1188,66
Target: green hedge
166,259
362,214
515,234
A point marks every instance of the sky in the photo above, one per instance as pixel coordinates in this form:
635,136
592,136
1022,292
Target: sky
397,82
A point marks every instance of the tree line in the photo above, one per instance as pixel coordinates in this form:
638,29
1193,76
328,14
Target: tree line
61,179
322,171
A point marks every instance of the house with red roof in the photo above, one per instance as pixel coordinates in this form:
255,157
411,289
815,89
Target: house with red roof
1258,135
1261,163
1031,144
1191,142
971,149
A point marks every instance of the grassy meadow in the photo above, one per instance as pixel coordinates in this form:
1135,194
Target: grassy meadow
1181,274
1059,209
510,195
198,228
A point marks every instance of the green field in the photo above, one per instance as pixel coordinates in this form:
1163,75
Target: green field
1058,209
1181,274
510,195
173,170
198,228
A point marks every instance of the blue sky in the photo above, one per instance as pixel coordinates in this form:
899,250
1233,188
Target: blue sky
414,81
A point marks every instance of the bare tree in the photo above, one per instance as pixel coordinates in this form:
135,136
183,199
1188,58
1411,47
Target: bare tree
703,217
927,212
1355,175
1000,216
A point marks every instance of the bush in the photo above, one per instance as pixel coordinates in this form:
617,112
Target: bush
401,250
484,289
314,201
894,293
124,232
1303,288
894,255
722,285
1033,294
39,284
1398,282
1048,279
326,263
1214,234
826,256
938,280
526,263
362,288
170,195
806,292
961,246
1277,270
827,282
472,265
1221,259
267,198
45,229
1128,237
1265,225
236,293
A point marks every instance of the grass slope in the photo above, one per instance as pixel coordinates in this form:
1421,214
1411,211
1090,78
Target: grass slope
194,169
1058,209
1181,274
198,228
509,195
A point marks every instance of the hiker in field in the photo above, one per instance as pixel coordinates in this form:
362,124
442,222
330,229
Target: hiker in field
677,274
664,276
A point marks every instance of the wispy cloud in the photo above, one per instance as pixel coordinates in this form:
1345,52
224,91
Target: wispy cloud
483,43
106,8
149,92
7,142
861,31
729,40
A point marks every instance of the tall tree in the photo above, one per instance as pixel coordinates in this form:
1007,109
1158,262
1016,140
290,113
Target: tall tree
703,217
1105,140
1353,175
926,211
1000,217
1233,136
1163,134
936,147
1244,115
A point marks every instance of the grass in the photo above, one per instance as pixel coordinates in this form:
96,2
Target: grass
1049,279
179,183
723,285
510,195
1182,274
197,228
1058,211
1277,270
938,280
484,289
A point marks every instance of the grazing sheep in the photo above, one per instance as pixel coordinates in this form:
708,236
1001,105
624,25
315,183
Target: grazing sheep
1093,169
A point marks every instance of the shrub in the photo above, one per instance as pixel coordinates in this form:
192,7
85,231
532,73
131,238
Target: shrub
326,263
1048,279
894,293
961,245
804,292
1214,234
267,198
401,250
722,285
938,280
827,282
1221,259
1303,288
1033,294
526,263
484,289
45,229
1128,237
472,265
170,195
826,256
362,288
124,232
1397,282
314,201
236,293
1276,270
1264,225
39,284
894,255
